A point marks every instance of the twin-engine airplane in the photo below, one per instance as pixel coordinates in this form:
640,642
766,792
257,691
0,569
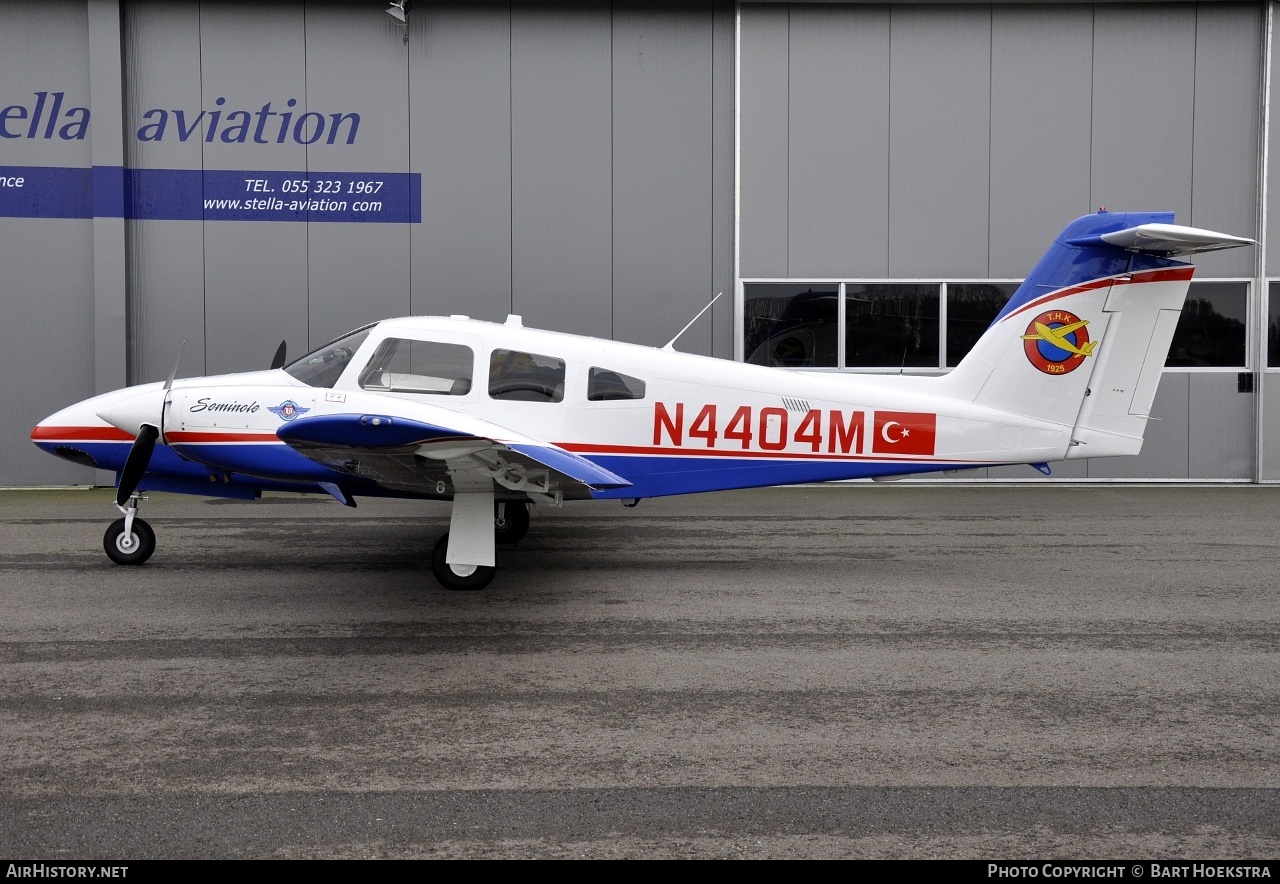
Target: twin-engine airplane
497,416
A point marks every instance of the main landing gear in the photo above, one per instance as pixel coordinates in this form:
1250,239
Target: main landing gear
129,541
510,525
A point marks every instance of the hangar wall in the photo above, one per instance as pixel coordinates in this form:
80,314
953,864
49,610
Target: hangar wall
911,142
602,168
571,162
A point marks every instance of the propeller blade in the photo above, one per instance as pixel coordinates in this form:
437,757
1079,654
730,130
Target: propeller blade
136,463
278,360
168,384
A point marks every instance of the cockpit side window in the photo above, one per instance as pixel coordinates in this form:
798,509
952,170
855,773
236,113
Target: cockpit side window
432,367
323,367
525,377
604,384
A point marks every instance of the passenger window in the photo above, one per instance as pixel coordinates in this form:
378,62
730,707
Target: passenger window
403,366
525,377
604,385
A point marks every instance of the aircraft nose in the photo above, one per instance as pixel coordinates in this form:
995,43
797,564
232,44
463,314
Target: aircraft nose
130,413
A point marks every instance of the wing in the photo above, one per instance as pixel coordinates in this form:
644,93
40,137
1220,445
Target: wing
436,459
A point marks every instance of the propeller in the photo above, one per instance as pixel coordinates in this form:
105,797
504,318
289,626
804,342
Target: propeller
136,463
278,360
139,457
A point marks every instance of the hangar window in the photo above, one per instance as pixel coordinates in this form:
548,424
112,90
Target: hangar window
932,325
871,324
1273,326
971,307
525,377
323,367
790,325
432,367
889,324
1211,329
604,384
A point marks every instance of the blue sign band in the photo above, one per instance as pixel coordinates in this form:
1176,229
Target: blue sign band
210,195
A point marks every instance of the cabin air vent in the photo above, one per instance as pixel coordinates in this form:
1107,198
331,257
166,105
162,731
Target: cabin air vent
795,404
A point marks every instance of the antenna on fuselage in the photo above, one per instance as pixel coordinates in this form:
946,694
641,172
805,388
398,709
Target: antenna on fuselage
671,343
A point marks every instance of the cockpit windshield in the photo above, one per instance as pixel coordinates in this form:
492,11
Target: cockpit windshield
323,367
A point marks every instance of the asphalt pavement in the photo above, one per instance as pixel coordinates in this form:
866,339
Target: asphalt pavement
877,671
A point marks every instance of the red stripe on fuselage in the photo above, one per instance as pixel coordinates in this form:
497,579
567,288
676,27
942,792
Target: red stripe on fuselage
79,434
186,438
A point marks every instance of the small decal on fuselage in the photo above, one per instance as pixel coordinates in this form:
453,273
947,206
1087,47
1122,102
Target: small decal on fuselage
287,410
1056,342
207,404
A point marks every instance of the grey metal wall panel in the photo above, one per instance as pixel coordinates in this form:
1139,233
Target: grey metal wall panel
1270,391
255,271
662,172
1225,148
939,141
838,204
110,297
167,301
357,272
46,287
1144,82
764,138
165,258
1273,169
1041,78
724,169
1272,257
1165,451
460,141
561,175
1222,424
46,340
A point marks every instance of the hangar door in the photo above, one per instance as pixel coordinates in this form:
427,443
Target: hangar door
903,166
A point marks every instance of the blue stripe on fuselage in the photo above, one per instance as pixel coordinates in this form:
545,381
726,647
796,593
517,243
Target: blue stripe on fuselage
659,476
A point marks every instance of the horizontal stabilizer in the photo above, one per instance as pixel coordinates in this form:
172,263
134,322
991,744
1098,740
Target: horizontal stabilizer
1165,239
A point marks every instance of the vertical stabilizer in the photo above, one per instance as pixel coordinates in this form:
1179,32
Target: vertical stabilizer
1083,340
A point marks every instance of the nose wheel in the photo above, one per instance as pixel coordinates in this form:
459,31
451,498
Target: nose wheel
129,547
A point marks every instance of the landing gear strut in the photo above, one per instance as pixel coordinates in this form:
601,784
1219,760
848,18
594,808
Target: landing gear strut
510,521
129,541
478,523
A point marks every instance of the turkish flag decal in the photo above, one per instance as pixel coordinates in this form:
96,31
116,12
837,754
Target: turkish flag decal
904,432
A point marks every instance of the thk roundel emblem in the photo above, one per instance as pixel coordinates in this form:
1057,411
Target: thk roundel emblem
1057,342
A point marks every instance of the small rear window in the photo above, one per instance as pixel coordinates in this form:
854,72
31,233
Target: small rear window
604,384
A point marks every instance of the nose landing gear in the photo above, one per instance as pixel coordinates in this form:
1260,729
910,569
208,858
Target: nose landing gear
129,541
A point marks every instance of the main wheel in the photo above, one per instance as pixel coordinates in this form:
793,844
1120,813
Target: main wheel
129,549
513,524
458,577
